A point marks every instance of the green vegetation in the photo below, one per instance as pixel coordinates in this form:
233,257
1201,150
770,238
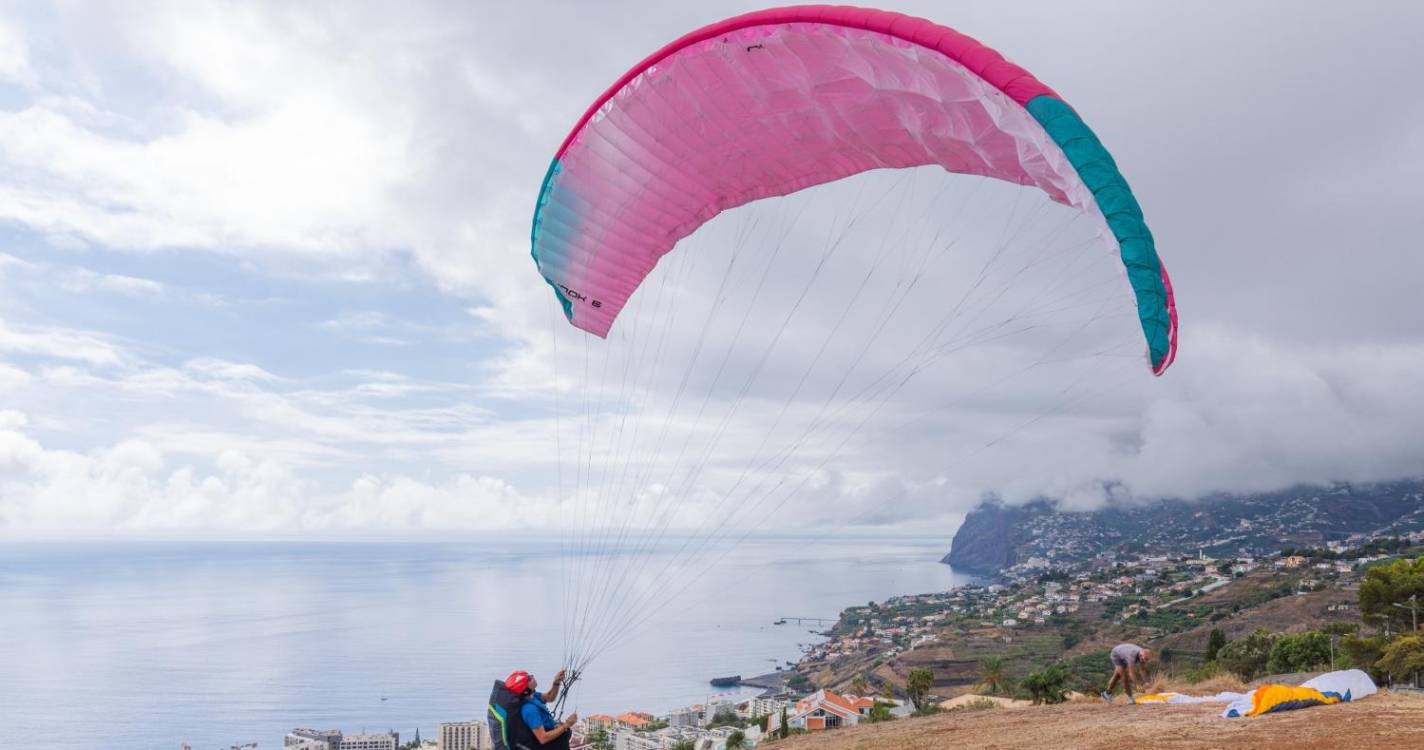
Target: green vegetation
917,687
1087,672
1365,653
1299,652
1386,590
1247,656
1403,659
736,739
652,726
729,718
1214,642
600,740
1203,673
1048,685
880,712
992,678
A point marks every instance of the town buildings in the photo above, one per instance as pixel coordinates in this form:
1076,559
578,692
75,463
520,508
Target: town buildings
333,739
464,735
824,709
387,741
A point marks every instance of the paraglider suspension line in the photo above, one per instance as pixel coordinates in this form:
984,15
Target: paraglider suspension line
568,685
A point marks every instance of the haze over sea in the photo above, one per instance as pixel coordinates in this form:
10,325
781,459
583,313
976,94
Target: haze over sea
143,645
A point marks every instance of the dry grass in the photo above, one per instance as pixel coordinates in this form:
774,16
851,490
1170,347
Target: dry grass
1221,682
1387,720
977,704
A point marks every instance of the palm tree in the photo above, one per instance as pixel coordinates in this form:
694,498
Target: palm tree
917,687
859,686
991,675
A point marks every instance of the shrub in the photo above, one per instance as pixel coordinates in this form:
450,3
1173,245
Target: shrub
1205,672
1299,652
725,718
1387,585
1365,653
880,712
1086,672
1214,642
1403,658
978,704
917,687
1247,656
1048,685
992,677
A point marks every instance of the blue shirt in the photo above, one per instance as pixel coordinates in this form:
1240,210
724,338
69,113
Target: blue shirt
536,714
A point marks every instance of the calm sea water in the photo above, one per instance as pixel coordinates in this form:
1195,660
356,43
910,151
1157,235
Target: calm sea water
148,645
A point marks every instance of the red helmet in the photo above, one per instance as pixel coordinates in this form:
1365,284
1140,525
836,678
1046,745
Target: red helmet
517,682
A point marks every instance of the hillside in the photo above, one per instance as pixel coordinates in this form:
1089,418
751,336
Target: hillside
1075,614
1387,720
1000,539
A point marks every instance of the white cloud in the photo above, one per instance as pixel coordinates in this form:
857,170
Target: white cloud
12,377
14,56
305,176
59,343
299,142
83,280
10,261
219,369
132,486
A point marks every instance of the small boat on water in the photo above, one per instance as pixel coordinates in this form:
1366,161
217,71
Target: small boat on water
779,622
732,681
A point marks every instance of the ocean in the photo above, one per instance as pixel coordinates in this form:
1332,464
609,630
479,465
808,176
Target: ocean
148,645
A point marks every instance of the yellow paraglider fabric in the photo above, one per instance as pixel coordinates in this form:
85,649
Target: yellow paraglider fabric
1270,698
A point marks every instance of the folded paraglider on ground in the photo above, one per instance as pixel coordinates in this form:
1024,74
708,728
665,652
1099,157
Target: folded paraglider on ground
1327,689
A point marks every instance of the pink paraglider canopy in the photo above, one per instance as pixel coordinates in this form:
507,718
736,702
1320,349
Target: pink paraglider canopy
776,101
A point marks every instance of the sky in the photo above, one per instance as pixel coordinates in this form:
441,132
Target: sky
264,269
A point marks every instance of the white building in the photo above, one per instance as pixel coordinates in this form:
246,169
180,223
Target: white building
628,739
688,716
387,741
713,708
464,735
766,706
312,739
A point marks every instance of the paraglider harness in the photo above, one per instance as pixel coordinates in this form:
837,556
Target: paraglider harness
506,721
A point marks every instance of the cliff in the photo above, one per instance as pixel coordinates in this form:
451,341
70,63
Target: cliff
986,543
995,537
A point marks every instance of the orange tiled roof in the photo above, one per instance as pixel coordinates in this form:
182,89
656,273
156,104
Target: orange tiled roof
838,701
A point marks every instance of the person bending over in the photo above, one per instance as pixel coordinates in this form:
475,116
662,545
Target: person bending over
1129,662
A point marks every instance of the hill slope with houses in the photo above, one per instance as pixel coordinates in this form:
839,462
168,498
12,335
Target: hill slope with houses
997,539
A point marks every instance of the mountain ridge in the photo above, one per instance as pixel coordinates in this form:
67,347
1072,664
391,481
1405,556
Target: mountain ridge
996,538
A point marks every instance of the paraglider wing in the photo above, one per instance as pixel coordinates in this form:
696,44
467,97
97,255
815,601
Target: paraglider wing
775,101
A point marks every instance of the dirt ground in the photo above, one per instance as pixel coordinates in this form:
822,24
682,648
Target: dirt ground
1384,720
